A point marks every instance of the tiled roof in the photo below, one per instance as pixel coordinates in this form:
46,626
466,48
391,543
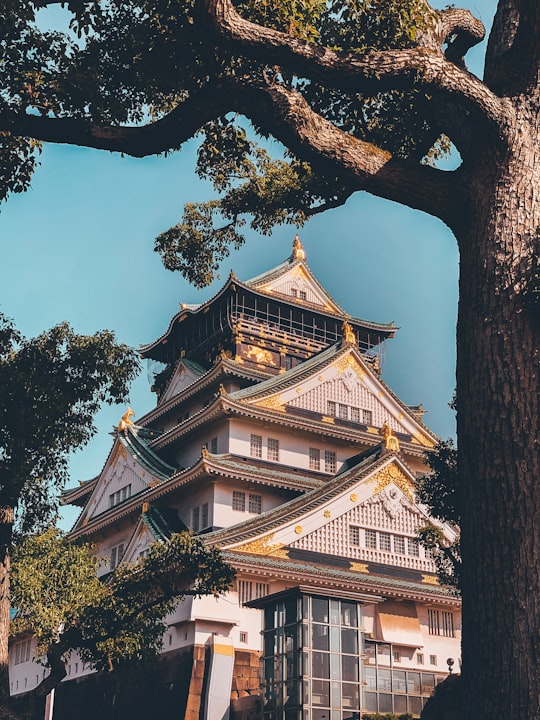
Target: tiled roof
162,522
287,476
137,442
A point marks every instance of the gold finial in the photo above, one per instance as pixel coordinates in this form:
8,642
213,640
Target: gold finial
348,333
222,390
125,421
145,507
298,252
390,440
204,452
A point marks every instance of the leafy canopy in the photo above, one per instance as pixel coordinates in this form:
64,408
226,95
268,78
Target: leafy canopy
51,386
130,60
61,601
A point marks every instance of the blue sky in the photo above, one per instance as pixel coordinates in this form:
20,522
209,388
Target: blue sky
78,247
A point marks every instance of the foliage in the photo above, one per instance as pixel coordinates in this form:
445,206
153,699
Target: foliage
438,491
51,386
63,603
133,59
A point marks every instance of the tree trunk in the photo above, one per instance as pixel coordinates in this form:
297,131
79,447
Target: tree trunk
498,431
6,529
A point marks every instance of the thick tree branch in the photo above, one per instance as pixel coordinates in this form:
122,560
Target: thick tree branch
423,67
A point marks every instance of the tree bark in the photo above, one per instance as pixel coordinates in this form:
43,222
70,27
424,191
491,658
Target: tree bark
498,430
6,529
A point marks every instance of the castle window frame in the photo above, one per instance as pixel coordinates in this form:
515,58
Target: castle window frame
204,516
255,446
239,501
330,462
21,651
354,535
117,553
272,449
370,539
196,519
123,493
255,504
314,458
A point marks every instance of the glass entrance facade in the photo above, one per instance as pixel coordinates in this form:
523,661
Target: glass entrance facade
317,665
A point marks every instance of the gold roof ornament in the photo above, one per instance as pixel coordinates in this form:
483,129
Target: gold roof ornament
348,333
125,421
298,252
204,452
390,440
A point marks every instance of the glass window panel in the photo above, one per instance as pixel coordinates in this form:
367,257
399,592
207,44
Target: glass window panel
321,664
319,609
269,617
334,638
400,683
383,654
415,705
349,665
292,666
370,701
428,683
334,612
319,714
413,683
370,678
349,641
306,666
320,693
369,652
350,696
335,700
290,611
319,634
291,694
400,703
349,615
385,703
292,714
305,635
269,669
269,643
335,666
384,679
305,607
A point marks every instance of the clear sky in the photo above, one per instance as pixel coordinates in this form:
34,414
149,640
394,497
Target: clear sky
78,247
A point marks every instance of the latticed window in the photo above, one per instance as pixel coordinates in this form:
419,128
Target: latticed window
355,414
117,553
273,449
195,519
367,417
441,622
255,503
303,295
213,445
314,459
21,651
329,461
331,408
371,538
204,516
239,500
399,544
120,495
354,535
413,547
343,412
384,541
255,448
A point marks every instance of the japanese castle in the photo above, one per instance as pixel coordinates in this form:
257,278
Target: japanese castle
274,437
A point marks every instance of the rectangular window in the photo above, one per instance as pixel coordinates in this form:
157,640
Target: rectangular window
195,519
261,590
371,538
441,622
314,459
243,637
21,651
255,504
204,516
419,658
447,624
413,547
355,415
331,408
397,656
213,446
294,292
120,495
255,447
245,591
433,660
303,295
399,544
288,362
343,412
354,535
384,541
272,450
367,417
239,500
117,553
329,461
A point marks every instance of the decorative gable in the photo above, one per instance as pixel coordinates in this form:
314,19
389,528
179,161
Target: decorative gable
348,390
184,375
298,284
122,477
139,542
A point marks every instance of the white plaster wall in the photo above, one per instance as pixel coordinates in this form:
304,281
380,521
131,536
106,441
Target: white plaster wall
225,516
